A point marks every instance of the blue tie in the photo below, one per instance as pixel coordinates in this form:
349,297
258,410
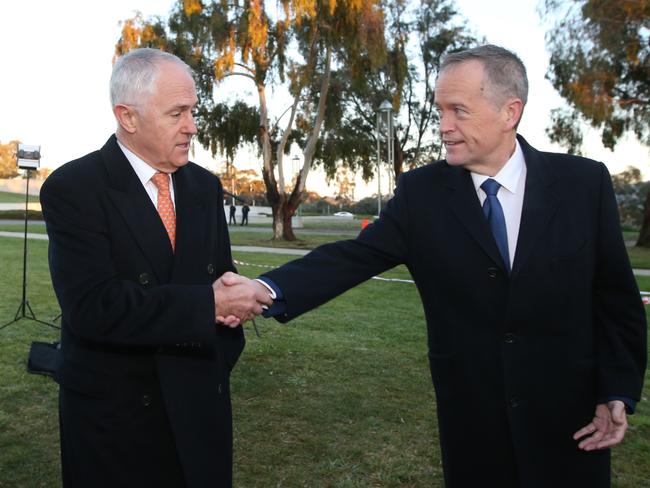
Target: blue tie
494,215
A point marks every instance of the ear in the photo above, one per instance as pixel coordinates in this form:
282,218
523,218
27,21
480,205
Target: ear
126,117
513,110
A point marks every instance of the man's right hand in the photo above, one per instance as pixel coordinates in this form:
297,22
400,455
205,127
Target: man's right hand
238,299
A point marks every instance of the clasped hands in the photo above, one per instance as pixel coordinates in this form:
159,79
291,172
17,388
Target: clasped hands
238,299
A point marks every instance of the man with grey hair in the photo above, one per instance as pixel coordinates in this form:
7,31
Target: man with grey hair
138,243
536,330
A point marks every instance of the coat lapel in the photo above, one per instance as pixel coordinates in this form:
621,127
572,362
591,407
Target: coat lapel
540,203
191,223
465,204
137,209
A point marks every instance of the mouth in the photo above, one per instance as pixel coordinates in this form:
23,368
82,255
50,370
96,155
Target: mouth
452,143
184,145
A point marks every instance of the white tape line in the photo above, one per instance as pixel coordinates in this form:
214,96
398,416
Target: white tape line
243,263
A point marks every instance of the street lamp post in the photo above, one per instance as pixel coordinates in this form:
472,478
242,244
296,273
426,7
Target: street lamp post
385,119
296,167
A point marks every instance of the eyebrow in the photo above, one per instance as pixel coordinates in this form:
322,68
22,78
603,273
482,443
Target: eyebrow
181,108
454,105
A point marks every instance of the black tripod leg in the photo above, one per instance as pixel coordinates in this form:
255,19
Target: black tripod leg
17,317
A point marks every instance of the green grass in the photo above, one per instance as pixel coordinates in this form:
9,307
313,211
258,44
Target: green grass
9,197
340,397
33,227
639,257
334,223
28,403
305,241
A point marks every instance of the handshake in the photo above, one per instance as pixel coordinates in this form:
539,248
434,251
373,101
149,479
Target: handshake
238,299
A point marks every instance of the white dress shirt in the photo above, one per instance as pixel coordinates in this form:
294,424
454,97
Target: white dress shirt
512,179
145,172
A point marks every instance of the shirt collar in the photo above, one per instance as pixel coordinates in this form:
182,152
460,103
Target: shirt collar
142,169
508,176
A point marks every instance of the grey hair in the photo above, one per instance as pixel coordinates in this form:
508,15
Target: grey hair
135,73
505,72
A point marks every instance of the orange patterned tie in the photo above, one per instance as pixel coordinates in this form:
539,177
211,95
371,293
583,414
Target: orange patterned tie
165,205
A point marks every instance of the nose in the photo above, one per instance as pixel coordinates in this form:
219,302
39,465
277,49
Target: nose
190,125
446,123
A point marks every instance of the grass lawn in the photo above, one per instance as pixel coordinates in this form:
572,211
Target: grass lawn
10,197
304,241
340,397
33,227
353,224
639,257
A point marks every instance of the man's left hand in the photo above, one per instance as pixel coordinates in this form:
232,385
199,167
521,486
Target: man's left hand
607,428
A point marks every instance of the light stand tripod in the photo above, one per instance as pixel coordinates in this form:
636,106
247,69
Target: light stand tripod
24,306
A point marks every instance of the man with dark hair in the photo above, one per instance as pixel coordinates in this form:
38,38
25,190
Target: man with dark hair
233,211
536,330
244,214
144,378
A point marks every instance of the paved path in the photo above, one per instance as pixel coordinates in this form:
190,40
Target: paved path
21,222
271,250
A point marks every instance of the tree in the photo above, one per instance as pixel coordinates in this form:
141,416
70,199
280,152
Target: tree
245,184
345,185
630,193
223,39
418,35
8,167
600,64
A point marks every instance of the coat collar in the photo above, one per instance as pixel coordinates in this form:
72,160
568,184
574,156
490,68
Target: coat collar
540,203
142,219
464,203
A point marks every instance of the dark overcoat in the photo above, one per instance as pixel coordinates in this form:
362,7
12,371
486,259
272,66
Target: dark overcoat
145,371
518,361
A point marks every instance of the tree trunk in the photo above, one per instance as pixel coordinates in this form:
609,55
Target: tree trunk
287,214
644,235
283,212
284,206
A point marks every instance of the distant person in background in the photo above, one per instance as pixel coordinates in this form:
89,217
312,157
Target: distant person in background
536,329
244,210
233,211
144,378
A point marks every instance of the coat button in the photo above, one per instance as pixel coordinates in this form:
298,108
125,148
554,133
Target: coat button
210,268
146,400
492,272
509,338
219,388
514,402
143,278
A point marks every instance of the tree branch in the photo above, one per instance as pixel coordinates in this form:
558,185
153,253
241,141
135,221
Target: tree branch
236,73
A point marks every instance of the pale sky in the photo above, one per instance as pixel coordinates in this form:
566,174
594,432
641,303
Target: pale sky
56,58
